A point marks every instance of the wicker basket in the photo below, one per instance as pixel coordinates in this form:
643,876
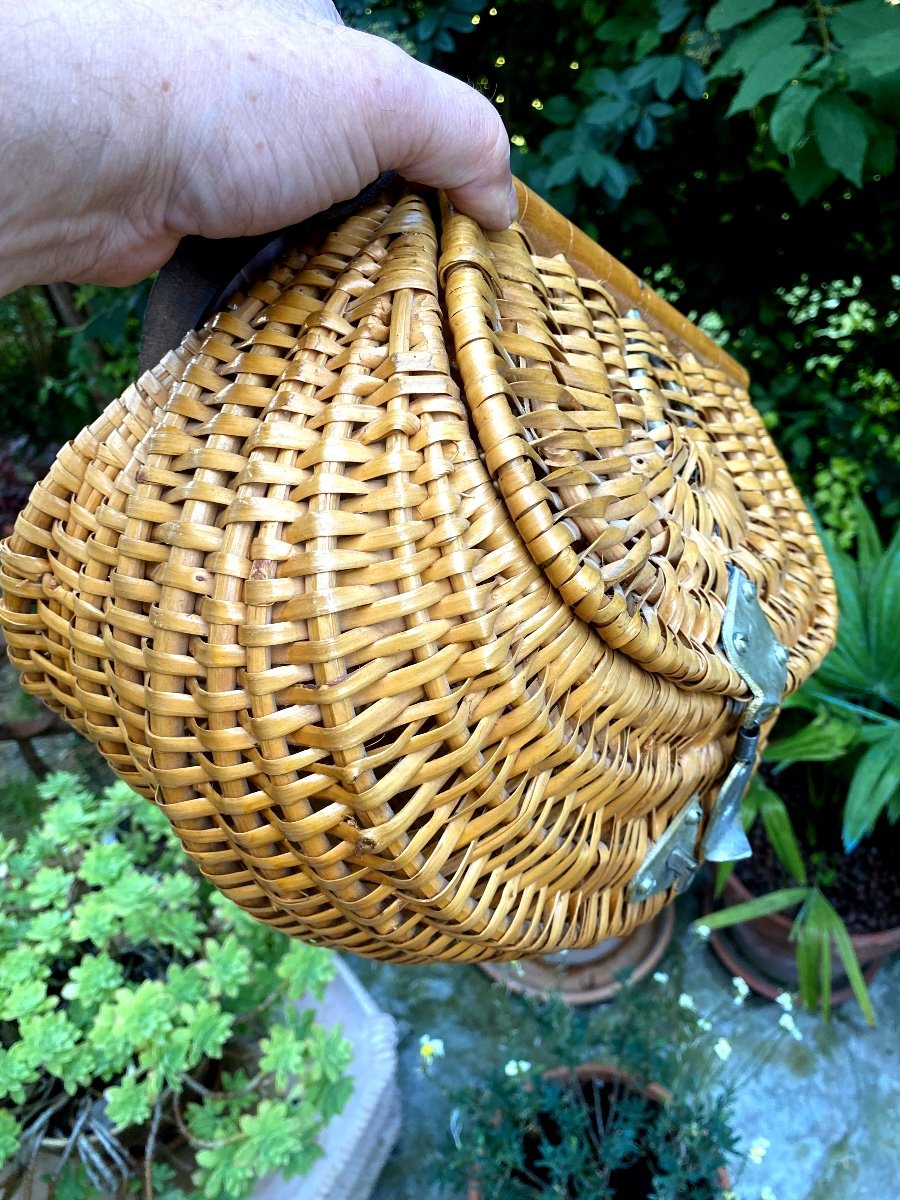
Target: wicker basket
400,588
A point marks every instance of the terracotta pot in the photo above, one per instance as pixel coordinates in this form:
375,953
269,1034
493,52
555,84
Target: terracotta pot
761,952
592,975
604,1073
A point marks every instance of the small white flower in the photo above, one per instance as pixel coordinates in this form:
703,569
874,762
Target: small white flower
429,1049
705,1024
786,1000
756,1152
516,1066
702,932
787,1022
742,991
687,1002
729,1195
660,977
767,1194
723,1049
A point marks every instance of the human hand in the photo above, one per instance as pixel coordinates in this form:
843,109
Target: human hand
127,124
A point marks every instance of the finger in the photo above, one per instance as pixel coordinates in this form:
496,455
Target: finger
435,130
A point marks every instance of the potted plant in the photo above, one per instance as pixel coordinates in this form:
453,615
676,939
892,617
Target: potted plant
629,1103
591,975
823,815
154,1040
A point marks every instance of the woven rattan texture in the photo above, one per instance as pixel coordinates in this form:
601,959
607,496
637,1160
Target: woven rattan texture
399,589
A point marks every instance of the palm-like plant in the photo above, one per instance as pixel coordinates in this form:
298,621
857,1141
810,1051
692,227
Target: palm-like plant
850,720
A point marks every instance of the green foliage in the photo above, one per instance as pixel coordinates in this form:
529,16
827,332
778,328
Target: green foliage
59,368
523,1136
849,719
127,993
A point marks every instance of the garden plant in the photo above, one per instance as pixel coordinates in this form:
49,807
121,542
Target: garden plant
154,1040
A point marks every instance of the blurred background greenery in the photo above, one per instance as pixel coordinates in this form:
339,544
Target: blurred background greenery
741,156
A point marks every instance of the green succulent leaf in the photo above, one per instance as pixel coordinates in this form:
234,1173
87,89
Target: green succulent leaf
207,1027
131,1101
306,968
102,865
92,981
16,1072
26,999
10,1132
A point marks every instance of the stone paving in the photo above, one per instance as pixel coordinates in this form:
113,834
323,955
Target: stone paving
829,1105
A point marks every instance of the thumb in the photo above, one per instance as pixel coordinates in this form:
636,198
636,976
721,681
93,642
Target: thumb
437,131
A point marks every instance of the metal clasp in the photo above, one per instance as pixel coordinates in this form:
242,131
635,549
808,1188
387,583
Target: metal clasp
761,661
671,861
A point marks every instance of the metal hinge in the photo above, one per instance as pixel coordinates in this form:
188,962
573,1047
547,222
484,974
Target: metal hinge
761,661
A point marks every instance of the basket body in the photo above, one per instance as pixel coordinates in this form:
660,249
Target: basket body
399,587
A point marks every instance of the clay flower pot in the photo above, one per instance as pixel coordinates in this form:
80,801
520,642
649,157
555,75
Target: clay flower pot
592,975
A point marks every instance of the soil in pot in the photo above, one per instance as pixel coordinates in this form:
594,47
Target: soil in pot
864,888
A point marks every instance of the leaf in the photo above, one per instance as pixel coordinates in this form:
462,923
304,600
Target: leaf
787,124
725,14
694,79
761,906
769,75
842,135
131,1101
672,13
869,548
821,925
616,179
882,609
9,1136
877,55
608,111
824,739
208,1029
564,170
875,782
813,953
559,110
668,75
850,22
592,167
780,28
780,831
645,134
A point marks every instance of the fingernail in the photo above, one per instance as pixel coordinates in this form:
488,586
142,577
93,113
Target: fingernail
513,204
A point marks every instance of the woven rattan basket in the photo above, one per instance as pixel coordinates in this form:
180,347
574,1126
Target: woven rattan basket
401,587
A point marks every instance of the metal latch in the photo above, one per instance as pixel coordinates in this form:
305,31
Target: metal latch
761,661
670,861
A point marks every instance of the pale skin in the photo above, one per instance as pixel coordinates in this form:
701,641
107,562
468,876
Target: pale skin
127,124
